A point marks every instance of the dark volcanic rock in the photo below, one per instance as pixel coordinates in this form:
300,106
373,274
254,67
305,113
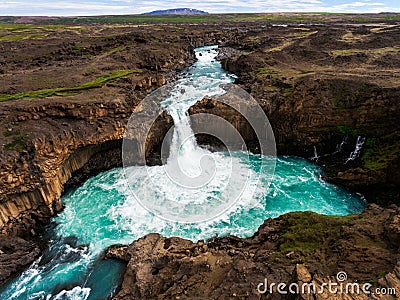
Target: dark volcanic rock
324,89
297,246
15,254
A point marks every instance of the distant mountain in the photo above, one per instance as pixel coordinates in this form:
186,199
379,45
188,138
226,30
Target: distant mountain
177,11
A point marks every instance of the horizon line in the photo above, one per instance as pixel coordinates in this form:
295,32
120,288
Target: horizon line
207,13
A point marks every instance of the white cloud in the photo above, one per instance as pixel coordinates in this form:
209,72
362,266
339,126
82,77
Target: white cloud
365,6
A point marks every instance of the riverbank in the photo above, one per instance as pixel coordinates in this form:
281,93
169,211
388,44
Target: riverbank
295,248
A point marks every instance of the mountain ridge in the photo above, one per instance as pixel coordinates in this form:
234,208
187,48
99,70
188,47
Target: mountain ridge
177,11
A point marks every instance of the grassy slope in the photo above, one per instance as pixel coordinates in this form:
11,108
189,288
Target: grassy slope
65,91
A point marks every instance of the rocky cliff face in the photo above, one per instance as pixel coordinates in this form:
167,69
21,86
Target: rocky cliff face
15,254
64,108
330,96
55,138
62,139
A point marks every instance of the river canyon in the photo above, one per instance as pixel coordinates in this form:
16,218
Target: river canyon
317,111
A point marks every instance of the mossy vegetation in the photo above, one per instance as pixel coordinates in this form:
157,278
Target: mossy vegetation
77,48
378,152
114,50
306,232
19,32
280,47
67,91
18,142
383,50
346,130
31,27
244,53
381,151
381,274
268,71
8,133
352,38
18,37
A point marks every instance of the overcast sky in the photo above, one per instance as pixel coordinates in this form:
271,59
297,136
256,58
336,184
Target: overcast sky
107,7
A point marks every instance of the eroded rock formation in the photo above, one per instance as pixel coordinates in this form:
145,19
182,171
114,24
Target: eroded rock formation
325,91
296,247
15,254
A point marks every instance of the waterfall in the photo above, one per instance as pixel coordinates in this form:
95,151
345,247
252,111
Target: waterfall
354,154
340,146
315,157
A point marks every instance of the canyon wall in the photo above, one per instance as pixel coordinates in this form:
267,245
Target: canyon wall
52,144
331,95
63,142
314,114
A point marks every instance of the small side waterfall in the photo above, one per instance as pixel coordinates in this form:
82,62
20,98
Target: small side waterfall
315,157
354,154
340,146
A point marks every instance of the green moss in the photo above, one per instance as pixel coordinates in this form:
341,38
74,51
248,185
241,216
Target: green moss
18,143
287,91
381,151
114,50
17,37
29,28
77,48
14,27
347,51
306,232
18,32
280,47
392,18
244,53
268,71
370,142
346,130
381,274
366,51
66,91
8,133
